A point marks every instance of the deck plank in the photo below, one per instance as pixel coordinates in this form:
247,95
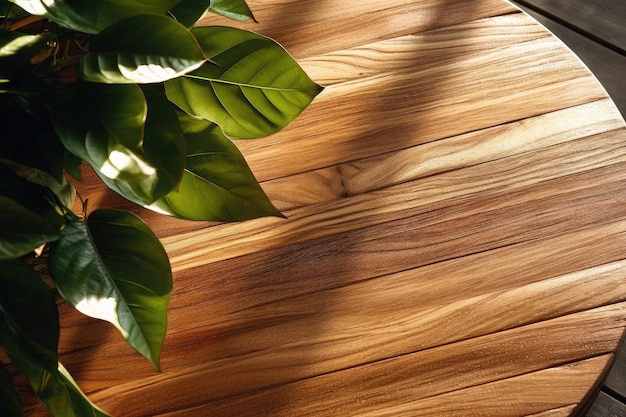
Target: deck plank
606,406
607,65
603,21
616,380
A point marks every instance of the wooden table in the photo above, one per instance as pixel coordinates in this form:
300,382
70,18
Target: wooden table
455,242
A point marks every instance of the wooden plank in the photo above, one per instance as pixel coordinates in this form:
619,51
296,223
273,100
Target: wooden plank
606,406
477,154
444,94
265,374
607,65
207,330
601,20
422,50
289,22
431,193
503,398
565,411
540,264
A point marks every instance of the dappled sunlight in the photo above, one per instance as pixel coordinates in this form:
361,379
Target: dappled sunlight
104,308
119,161
36,7
14,47
148,73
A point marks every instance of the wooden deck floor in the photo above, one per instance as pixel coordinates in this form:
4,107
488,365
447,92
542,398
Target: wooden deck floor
596,32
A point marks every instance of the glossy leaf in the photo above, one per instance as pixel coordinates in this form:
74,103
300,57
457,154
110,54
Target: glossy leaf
232,9
58,391
17,49
90,16
188,12
28,218
217,184
64,398
163,146
113,268
10,405
141,49
104,125
164,143
64,190
72,165
255,90
93,120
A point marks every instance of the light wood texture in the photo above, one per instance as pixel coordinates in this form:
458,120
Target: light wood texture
454,243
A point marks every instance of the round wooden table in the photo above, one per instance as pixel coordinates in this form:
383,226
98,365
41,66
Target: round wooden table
455,242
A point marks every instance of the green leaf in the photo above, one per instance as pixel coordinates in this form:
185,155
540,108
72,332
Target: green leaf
141,49
163,147
10,405
114,268
73,165
232,9
17,49
64,190
29,325
22,230
255,90
10,13
68,398
93,120
58,391
164,143
104,125
188,12
29,333
90,16
217,184
28,218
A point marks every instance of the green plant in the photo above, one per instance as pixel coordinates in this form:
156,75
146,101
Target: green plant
150,102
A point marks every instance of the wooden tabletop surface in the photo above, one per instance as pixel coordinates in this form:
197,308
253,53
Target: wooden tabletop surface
455,241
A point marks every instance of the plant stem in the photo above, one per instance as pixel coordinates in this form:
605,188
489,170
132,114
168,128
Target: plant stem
25,22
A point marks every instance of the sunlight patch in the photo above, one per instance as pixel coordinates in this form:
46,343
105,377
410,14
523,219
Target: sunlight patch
119,161
101,308
148,73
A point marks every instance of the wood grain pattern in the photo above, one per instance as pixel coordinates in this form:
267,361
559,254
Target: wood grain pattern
454,241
